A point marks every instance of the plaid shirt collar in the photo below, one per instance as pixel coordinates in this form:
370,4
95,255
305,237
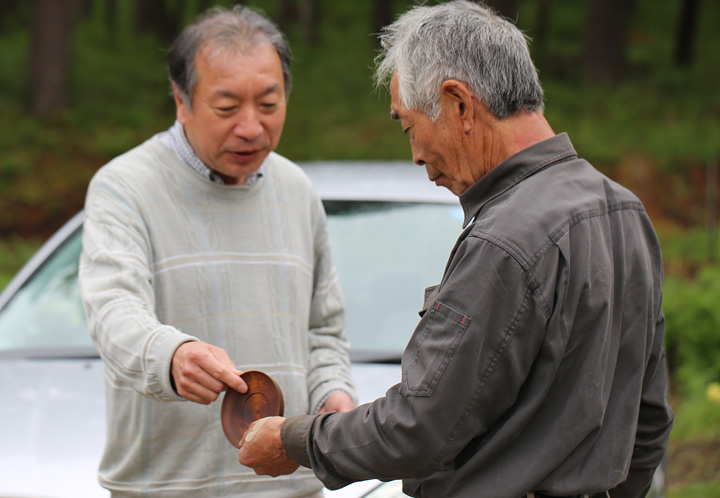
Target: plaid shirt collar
178,143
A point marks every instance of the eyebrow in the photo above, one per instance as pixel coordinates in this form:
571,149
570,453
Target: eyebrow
227,93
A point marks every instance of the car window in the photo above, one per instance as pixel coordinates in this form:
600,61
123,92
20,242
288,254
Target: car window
46,312
386,254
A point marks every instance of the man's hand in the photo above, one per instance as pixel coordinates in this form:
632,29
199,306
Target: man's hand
202,371
262,450
338,401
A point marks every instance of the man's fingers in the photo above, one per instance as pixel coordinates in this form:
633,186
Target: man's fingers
222,368
230,377
202,371
204,397
199,386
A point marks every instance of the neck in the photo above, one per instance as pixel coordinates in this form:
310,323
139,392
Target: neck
493,140
520,132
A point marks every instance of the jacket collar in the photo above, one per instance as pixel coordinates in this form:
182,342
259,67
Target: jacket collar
513,170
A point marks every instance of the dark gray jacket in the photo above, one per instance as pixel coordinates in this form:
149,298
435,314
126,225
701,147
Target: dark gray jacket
538,361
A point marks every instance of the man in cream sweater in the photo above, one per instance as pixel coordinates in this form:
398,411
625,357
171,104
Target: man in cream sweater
206,254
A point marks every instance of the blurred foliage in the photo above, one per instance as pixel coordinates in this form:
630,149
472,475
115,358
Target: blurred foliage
701,490
667,113
661,114
14,252
693,324
692,343
686,251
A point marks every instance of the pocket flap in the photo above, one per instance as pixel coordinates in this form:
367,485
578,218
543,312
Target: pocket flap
430,295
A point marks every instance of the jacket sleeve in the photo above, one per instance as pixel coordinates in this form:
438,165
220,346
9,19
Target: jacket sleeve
329,368
470,353
654,423
116,287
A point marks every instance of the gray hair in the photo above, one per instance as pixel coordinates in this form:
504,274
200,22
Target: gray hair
464,41
236,29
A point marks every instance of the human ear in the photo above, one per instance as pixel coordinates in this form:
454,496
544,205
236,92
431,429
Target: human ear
181,109
458,101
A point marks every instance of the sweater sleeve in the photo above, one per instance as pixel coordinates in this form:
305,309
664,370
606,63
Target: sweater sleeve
329,368
116,287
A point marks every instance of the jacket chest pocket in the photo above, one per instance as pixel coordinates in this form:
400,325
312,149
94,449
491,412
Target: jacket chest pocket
432,346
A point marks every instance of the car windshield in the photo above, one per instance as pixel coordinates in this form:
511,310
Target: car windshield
46,314
386,254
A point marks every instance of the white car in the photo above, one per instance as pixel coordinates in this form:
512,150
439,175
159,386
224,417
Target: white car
392,232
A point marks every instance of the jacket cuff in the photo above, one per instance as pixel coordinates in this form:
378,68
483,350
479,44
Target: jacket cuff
294,434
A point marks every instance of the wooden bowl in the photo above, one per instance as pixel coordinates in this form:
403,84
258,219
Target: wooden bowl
263,399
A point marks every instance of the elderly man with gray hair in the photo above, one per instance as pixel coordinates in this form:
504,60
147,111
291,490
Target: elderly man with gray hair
537,368
206,254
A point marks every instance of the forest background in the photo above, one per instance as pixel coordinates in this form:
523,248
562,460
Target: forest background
633,82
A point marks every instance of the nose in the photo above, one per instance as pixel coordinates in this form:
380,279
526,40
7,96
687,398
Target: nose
247,124
417,159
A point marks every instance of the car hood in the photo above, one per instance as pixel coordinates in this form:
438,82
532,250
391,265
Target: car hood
53,416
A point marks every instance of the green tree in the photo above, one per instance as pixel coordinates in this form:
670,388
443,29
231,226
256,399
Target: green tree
49,66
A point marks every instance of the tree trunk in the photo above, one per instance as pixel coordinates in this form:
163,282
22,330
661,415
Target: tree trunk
111,22
685,44
382,15
85,8
286,11
542,22
506,8
606,40
50,55
307,12
154,16
7,7
205,5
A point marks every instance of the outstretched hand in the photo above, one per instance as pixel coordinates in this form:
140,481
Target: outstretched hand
202,371
262,450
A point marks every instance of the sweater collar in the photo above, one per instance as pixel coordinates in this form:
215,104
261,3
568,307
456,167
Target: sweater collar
513,170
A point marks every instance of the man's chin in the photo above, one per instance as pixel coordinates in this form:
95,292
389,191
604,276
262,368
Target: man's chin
239,170
452,187
236,176
441,182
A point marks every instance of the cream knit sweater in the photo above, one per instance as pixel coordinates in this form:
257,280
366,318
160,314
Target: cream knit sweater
168,257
